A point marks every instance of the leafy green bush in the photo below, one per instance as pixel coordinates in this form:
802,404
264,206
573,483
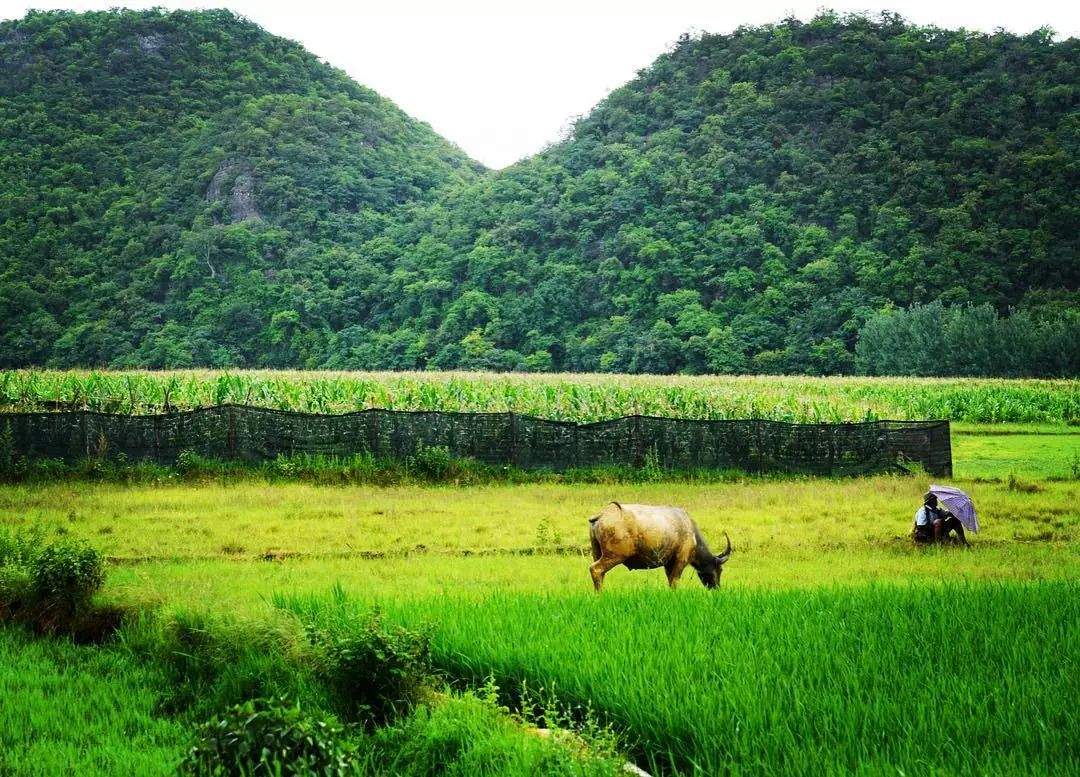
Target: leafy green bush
49,585
431,461
66,574
188,462
268,737
18,549
376,671
14,587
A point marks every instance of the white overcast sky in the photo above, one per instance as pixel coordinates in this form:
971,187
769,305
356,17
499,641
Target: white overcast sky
503,79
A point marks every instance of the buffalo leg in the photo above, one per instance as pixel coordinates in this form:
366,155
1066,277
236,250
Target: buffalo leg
674,571
599,568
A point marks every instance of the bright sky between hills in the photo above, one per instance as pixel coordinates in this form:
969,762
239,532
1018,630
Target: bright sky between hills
504,79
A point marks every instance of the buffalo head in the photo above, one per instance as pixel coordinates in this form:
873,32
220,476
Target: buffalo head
710,573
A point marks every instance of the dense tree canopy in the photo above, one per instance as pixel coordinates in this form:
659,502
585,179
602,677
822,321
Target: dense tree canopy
180,189
185,188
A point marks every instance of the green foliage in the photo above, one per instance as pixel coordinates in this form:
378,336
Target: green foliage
66,573
376,671
765,679
184,189
71,709
49,585
431,461
18,551
212,662
471,735
268,737
936,340
580,398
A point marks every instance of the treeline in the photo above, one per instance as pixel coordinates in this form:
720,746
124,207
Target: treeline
933,340
183,189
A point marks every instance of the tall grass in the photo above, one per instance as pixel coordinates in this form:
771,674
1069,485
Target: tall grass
956,679
66,709
580,398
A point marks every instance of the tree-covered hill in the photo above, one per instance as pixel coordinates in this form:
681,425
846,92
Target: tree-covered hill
180,189
749,201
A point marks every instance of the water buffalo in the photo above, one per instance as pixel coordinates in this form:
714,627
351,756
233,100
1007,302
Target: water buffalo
651,536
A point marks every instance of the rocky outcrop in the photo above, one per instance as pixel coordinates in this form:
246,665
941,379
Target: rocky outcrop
237,179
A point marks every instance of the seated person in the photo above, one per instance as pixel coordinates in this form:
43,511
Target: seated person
932,524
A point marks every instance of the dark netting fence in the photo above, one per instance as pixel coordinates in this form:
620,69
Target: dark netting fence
258,434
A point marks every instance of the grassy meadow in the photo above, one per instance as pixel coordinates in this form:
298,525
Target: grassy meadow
833,645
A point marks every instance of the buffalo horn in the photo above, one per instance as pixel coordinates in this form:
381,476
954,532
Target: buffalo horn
727,553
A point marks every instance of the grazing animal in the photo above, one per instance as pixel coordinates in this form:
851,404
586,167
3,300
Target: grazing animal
651,536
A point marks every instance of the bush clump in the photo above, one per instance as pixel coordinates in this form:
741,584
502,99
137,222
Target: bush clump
376,671
66,574
50,584
268,737
432,462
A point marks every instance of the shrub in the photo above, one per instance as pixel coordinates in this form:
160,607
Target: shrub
18,549
66,574
285,466
376,671
49,586
14,588
267,737
431,461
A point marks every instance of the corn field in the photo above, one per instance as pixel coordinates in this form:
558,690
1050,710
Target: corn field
577,397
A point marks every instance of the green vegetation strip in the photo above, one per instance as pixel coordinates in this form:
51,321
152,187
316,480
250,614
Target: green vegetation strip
581,398
962,679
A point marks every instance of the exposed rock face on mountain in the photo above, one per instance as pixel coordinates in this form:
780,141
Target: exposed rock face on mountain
240,180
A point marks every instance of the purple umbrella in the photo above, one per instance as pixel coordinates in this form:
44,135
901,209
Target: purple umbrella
958,503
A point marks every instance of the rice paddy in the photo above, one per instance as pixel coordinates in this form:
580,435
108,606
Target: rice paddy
833,645
66,709
866,680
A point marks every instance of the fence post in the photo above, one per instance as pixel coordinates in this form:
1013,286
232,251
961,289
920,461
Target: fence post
946,468
638,445
84,434
231,442
577,447
513,438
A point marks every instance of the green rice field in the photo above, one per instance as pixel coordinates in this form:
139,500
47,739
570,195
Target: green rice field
833,646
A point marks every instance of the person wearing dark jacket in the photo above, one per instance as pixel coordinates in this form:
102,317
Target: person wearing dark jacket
933,524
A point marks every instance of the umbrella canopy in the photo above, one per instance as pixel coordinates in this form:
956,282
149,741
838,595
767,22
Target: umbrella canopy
958,503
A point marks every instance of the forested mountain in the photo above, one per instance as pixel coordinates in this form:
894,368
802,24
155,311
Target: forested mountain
185,189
